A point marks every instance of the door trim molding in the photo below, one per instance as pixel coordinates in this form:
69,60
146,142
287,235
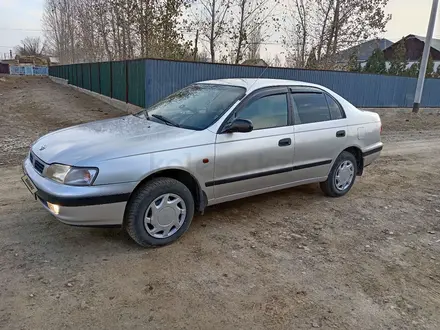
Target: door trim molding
266,173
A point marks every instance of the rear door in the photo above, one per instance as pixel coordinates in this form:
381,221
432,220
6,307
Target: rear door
320,129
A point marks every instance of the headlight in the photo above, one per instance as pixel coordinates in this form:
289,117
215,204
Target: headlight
75,176
57,172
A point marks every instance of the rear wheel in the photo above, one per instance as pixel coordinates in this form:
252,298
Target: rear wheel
342,176
159,212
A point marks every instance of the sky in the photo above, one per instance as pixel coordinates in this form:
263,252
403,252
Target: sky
21,18
18,19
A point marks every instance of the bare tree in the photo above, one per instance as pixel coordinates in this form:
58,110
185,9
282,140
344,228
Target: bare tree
251,16
298,38
328,26
30,46
229,30
354,20
59,29
203,57
254,44
212,18
96,30
277,61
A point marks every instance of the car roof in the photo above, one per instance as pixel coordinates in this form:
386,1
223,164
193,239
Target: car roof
252,84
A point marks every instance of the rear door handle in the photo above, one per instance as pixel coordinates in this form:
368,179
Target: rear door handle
340,133
285,142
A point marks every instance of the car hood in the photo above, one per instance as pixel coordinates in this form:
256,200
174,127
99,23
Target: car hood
108,139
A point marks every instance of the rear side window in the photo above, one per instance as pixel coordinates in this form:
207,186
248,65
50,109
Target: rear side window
310,108
335,109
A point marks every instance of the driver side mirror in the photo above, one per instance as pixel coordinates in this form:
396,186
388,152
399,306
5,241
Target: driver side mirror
239,126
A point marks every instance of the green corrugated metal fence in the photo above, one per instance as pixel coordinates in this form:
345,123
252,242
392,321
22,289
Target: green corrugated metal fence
119,85
144,82
121,80
87,83
105,78
94,78
136,74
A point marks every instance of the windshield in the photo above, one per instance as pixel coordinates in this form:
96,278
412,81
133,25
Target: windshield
195,107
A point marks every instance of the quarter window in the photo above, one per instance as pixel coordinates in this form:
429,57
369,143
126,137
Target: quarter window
266,112
311,108
335,109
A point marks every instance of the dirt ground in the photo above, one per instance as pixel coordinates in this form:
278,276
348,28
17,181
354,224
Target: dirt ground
293,259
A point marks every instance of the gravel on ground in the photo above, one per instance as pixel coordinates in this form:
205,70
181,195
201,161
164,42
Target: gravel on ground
292,259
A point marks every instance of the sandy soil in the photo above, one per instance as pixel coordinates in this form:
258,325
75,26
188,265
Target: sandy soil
293,259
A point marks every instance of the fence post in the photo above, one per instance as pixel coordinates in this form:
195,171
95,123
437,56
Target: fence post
90,77
99,77
126,81
77,78
82,75
111,80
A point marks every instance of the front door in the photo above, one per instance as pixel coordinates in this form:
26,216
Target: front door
320,134
262,158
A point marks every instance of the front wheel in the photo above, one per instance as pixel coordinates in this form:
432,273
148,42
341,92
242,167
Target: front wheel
159,212
342,176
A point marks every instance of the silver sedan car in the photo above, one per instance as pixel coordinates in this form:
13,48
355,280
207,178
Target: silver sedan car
209,143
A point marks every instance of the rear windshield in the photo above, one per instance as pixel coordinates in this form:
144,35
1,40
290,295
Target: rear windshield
197,106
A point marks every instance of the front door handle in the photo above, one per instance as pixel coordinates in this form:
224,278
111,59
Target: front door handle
340,133
285,142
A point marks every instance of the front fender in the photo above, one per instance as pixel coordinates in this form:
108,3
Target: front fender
197,161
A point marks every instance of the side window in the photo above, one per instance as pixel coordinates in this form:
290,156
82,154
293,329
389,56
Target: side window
311,108
335,109
267,112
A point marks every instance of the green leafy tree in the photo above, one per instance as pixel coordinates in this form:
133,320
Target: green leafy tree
399,61
437,72
413,70
376,63
430,68
353,63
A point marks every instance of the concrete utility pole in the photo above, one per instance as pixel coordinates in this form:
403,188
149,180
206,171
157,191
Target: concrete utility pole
426,52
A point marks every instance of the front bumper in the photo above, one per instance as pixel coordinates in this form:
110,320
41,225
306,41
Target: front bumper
102,205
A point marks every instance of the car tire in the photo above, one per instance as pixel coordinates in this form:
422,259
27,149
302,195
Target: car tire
145,212
341,177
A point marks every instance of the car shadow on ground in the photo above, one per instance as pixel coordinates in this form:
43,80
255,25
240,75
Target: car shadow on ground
300,192
69,240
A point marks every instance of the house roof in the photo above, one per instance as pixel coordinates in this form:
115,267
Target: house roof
363,50
435,43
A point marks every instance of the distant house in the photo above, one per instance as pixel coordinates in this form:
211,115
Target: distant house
363,51
31,60
4,67
54,60
414,50
11,61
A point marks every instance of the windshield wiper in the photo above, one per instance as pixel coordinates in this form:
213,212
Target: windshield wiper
143,112
166,120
